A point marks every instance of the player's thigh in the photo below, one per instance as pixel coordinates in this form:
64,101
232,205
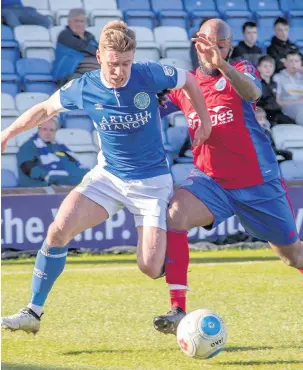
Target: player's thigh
77,213
151,249
200,201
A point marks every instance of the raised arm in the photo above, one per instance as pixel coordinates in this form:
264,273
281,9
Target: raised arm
194,93
33,117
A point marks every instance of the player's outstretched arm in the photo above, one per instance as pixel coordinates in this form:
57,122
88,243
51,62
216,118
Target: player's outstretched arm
194,93
33,117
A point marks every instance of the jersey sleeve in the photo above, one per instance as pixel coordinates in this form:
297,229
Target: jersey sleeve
249,70
69,97
165,77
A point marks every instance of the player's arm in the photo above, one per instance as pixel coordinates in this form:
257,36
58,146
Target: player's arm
194,93
245,84
33,117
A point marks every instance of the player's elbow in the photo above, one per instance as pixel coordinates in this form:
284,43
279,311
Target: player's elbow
254,94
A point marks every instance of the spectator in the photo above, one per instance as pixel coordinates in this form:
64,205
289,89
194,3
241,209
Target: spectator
268,100
282,155
15,14
43,162
76,49
280,44
247,49
290,87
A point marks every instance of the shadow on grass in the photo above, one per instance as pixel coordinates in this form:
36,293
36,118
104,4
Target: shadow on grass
250,363
264,348
118,351
6,366
198,260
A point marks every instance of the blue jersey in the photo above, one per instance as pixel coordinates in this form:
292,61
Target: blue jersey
127,119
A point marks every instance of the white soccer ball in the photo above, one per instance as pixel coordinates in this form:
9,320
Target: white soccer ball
201,334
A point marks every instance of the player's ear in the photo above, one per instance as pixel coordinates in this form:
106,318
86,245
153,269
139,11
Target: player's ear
98,56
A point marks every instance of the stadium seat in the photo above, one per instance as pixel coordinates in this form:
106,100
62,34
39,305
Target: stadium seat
61,9
96,140
26,100
176,137
297,154
170,13
41,6
54,33
100,12
77,140
265,29
184,160
265,8
34,42
36,75
292,170
201,9
8,179
7,102
287,136
12,147
178,63
9,46
180,172
293,8
137,13
6,121
77,119
8,110
147,48
177,119
296,29
233,8
173,42
9,161
10,81
89,160
236,26
25,135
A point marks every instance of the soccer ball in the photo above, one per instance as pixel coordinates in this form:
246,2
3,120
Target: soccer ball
201,334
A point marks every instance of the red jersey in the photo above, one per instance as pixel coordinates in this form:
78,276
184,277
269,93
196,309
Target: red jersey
238,152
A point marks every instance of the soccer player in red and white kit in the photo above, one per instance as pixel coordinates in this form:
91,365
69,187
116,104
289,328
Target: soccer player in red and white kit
235,173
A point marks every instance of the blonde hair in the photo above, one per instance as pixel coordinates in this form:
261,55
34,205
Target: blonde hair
117,36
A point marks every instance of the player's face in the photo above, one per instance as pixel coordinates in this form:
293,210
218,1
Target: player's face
293,63
266,69
47,131
250,35
116,67
225,50
281,31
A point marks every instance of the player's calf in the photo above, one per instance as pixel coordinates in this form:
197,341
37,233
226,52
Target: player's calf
291,255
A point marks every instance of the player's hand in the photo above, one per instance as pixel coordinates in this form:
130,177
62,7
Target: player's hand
208,50
200,136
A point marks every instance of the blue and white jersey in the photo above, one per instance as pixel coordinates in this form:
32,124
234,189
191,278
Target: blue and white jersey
127,119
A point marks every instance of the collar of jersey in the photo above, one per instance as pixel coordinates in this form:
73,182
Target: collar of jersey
107,85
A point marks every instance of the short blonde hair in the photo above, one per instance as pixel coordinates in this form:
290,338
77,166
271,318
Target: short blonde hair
117,36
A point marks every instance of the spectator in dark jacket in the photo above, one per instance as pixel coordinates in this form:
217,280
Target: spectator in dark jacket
280,44
76,49
247,49
43,162
15,14
268,100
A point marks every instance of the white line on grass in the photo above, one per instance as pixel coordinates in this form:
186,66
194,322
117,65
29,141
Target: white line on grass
119,268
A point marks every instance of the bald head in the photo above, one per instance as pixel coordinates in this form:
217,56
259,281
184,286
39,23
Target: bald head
217,30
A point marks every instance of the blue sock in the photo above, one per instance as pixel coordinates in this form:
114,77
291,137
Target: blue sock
49,264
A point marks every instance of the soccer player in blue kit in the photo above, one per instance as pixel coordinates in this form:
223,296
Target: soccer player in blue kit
132,169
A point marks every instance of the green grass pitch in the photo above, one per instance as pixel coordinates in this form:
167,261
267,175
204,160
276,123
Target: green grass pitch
99,314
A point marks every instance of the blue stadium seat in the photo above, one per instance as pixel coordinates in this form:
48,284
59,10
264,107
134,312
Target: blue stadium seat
296,29
200,9
137,13
292,170
8,179
170,13
36,75
236,26
10,81
265,8
9,46
293,8
159,5
181,171
234,8
77,119
265,29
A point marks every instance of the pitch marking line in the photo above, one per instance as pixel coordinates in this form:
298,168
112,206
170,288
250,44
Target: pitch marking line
119,268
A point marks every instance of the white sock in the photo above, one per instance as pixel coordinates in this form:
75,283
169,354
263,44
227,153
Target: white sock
177,287
35,308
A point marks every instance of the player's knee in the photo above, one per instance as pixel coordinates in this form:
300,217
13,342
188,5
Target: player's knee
176,219
150,268
293,261
57,236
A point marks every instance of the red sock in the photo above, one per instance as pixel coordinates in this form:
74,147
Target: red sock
176,265
301,270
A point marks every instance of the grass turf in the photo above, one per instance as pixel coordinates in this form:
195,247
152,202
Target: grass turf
99,314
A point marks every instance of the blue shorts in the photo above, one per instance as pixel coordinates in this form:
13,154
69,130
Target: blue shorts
263,210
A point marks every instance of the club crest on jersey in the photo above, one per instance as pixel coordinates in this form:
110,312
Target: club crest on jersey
67,85
142,100
168,70
221,84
